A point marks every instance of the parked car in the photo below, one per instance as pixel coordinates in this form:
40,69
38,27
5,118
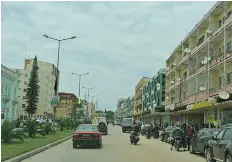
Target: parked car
87,134
220,147
165,135
200,139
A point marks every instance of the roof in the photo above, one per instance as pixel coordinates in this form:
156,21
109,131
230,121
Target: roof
67,93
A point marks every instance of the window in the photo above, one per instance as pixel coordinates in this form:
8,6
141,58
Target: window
25,82
215,114
220,134
26,75
24,97
228,134
24,90
23,106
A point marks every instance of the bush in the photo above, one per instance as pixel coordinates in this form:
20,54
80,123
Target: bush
9,131
48,128
33,128
61,122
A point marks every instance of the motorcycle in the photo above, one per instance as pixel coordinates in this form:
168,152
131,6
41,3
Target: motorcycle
155,133
148,133
134,137
178,143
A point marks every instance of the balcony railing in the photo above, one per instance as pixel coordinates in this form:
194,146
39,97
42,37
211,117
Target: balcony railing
201,69
185,102
201,95
5,98
192,98
229,87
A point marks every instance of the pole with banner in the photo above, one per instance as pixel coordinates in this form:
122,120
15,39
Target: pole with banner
55,101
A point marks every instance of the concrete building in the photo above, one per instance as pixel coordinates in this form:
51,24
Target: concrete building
9,94
153,98
199,71
47,76
67,107
120,108
138,97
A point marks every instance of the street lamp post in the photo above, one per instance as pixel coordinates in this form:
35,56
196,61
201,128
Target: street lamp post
79,75
58,60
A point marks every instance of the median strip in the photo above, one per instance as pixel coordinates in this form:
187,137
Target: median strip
18,151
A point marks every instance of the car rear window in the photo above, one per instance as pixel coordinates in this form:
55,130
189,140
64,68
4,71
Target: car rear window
127,121
87,128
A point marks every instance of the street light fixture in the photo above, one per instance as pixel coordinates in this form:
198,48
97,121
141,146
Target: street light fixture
80,75
58,59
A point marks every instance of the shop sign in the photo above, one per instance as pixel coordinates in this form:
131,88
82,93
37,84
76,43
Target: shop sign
202,104
55,101
189,107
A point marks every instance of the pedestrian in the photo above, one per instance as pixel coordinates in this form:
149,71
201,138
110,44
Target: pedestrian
190,133
17,123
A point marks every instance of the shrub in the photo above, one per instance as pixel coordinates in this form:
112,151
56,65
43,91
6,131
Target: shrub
9,131
33,128
48,128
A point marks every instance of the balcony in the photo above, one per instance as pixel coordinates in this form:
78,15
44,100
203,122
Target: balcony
5,98
192,98
201,95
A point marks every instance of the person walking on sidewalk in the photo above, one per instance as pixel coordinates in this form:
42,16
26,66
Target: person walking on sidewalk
190,133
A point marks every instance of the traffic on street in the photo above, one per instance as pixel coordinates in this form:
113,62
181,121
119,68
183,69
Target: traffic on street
116,147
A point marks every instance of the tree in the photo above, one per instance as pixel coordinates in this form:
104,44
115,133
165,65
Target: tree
32,92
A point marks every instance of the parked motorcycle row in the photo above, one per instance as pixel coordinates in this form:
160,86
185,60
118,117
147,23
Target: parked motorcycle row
205,141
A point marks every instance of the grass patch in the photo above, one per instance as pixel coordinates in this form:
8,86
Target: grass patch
17,147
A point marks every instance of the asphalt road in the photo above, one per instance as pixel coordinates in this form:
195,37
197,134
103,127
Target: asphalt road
116,148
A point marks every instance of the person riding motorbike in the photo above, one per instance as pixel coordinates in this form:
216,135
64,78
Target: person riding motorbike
178,133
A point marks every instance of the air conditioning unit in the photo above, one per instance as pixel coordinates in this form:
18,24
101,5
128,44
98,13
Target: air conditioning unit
174,64
172,82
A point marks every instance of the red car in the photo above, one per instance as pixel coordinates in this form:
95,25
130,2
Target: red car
87,134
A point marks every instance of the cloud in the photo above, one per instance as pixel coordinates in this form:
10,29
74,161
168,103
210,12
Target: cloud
117,42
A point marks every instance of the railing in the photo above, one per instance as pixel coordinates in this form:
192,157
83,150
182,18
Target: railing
229,87
192,98
201,95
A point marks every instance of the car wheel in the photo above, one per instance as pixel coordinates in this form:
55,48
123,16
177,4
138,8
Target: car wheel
208,156
228,158
99,145
74,145
192,151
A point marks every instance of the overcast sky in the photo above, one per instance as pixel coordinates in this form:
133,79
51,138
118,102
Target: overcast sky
117,42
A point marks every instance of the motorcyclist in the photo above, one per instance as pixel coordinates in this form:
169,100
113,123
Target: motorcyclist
136,128
178,132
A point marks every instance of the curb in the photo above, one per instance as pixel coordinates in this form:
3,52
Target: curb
36,151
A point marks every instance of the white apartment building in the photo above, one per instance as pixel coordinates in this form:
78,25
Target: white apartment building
47,77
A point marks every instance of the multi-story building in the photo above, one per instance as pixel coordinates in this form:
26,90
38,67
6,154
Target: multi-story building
67,107
47,76
199,71
120,108
9,94
138,97
126,107
153,98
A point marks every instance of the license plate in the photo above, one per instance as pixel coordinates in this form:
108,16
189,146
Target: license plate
85,135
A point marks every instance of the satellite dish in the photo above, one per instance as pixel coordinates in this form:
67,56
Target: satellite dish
209,31
202,88
172,82
224,95
187,50
157,84
167,98
167,68
174,64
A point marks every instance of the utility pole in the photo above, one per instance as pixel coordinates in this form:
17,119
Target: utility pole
88,89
